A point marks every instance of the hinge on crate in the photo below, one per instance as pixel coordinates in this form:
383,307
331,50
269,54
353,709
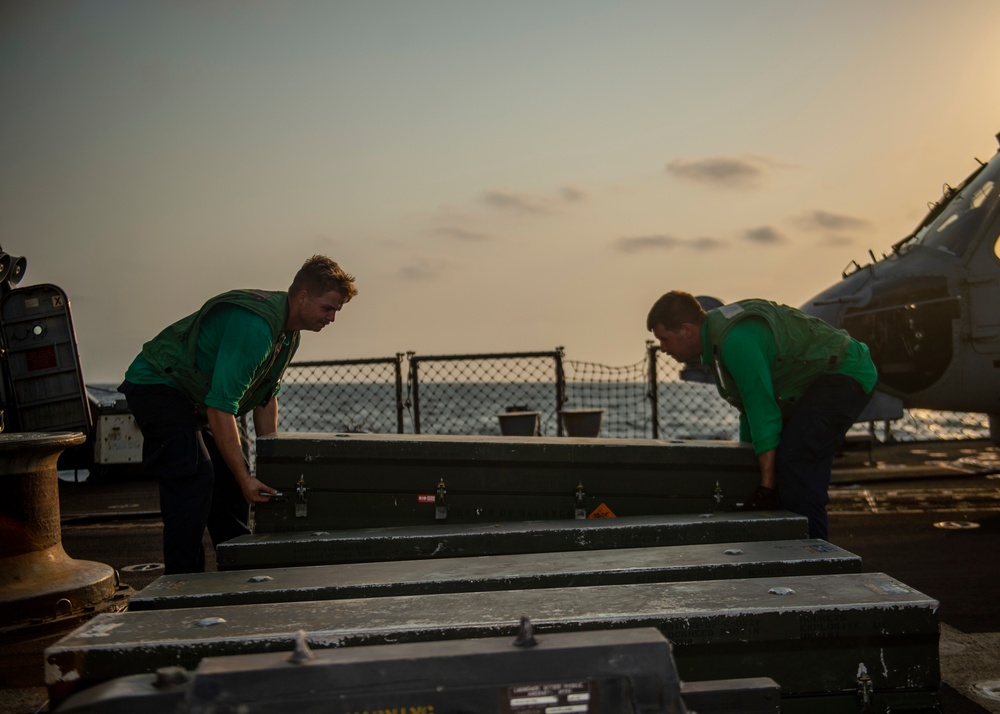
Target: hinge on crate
579,512
441,502
301,510
718,496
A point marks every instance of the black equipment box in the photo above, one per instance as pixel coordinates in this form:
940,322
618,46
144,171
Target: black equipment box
826,640
753,695
446,540
510,572
370,480
42,361
618,671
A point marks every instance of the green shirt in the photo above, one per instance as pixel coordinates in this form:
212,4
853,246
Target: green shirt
748,353
232,344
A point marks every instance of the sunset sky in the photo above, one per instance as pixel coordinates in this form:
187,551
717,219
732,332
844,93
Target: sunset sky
510,175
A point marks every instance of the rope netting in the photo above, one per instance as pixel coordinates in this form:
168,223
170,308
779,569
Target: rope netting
621,392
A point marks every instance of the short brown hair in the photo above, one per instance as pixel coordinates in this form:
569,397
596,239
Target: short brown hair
674,309
320,275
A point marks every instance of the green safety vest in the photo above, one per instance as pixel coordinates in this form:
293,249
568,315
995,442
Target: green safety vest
807,347
173,353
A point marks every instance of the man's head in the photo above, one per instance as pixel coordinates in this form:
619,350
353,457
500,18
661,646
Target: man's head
317,293
675,320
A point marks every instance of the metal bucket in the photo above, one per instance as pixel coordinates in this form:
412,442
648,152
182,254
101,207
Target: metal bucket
519,423
582,422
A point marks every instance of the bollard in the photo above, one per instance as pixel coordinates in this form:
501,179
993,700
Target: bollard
44,593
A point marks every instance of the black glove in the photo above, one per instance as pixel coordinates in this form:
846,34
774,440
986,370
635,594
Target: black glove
762,499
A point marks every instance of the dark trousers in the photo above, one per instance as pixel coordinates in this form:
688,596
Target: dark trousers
197,489
809,441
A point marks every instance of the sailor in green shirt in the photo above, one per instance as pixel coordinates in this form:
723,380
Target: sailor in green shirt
190,383
798,383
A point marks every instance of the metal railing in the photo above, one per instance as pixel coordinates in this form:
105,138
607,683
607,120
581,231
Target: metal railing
343,395
462,394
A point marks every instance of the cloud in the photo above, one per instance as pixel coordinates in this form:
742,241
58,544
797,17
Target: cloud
573,194
636,244
516,202
463,234
706,243
421,269
747,171
818,220
533,204
462,223
323,243
766,235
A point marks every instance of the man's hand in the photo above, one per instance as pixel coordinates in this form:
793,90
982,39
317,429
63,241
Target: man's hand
765,497
227,440
252,488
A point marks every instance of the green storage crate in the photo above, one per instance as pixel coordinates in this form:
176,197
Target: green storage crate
509,572
275,550
369,480
814,635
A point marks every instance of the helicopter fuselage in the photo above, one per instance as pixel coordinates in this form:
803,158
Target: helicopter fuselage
930,311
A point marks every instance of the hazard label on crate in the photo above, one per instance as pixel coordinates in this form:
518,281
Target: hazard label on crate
602,511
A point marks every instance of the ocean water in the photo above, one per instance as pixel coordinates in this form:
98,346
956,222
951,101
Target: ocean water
685,410
472,408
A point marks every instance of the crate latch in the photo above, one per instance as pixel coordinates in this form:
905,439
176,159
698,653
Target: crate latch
441,502
301,509
579,512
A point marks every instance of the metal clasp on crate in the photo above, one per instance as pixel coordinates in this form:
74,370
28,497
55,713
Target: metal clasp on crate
441,502
718,496
865,689
579,512
301,509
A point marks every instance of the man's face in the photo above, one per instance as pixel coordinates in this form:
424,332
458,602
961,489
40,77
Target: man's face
683,344
314,312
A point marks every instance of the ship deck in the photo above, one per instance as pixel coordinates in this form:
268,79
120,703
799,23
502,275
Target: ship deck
926,513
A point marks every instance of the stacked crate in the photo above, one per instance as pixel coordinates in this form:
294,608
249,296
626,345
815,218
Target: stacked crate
379,542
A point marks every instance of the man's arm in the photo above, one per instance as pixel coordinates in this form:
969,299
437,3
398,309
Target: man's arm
768,474
747,353
244,342
265,418
227,440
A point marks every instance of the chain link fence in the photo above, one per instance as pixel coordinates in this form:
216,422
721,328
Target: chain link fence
363,395
464,394
686,403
